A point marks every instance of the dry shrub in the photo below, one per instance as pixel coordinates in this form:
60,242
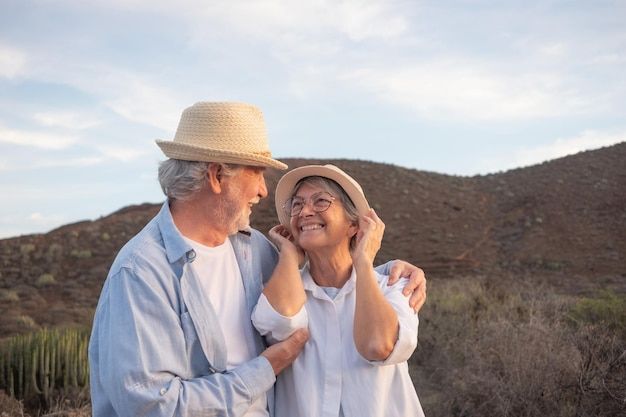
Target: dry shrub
602,377
517,369
75,405
10,407
500,347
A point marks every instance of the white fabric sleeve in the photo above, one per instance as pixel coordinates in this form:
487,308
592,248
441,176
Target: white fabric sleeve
274,325
407,322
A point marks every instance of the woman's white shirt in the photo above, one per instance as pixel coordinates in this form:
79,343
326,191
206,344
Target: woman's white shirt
330,374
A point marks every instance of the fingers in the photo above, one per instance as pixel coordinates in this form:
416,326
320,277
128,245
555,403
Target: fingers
415,287
418,298
280,230
416,278
282,354
369,237
371,220
394,273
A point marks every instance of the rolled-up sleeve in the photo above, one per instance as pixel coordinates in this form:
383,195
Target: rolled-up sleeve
407,322
140,361
275,326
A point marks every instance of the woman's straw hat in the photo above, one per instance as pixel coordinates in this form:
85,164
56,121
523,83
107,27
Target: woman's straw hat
221,132
284,188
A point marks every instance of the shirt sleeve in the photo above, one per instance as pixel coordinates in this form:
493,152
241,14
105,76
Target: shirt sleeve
275,326
407,322
140,358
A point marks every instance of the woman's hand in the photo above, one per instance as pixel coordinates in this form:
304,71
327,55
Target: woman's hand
368,238
285,242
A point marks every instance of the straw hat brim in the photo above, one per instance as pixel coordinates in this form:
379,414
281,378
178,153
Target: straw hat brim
186,152
285,187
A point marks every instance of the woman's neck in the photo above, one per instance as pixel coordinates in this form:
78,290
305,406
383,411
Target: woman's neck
330,269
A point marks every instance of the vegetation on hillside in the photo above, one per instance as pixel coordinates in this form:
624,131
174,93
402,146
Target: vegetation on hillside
495,346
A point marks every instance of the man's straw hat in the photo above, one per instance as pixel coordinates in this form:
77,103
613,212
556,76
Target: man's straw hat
285,186
221,132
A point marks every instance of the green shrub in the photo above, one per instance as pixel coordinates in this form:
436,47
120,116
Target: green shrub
45,279
8,295
27,321
607,308
27,248
36,366
81,253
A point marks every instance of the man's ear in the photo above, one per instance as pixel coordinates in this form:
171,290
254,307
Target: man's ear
214,177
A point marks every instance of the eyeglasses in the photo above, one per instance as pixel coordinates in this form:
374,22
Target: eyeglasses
319,201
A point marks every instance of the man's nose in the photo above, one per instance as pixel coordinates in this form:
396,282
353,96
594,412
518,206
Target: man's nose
262,187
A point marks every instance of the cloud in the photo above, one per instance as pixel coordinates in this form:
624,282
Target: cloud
36,222
586,140
466,91
123,154
66,120
36,139
43,163
12,61
355,19
558,148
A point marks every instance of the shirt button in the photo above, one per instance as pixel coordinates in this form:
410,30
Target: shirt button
191,255
163,391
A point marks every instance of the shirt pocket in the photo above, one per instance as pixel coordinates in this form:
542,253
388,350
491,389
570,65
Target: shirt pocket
198,361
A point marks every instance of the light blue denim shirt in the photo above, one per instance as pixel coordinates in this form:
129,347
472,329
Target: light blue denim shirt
156,347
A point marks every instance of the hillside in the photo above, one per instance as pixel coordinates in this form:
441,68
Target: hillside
563,222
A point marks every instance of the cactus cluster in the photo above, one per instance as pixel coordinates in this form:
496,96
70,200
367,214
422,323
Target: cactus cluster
36,365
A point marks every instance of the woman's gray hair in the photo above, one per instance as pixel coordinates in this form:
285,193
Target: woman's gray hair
335,190
181,179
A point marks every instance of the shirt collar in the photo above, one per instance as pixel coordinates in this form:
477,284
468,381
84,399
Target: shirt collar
175,246
310,285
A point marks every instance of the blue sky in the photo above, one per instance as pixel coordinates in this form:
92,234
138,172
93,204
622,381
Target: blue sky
463,88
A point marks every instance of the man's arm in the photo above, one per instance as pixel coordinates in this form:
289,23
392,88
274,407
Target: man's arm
146,364
416,286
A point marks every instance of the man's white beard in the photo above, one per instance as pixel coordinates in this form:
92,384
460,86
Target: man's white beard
229,213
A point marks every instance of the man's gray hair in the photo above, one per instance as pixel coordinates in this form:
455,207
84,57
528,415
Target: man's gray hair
181,179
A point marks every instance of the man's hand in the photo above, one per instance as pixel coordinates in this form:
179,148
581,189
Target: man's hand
282,354
416,285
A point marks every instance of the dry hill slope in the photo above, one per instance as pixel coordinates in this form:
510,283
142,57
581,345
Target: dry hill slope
564,221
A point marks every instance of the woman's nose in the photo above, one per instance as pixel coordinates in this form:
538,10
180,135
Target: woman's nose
307,209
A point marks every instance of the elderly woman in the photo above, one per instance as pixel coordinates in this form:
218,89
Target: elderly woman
362,331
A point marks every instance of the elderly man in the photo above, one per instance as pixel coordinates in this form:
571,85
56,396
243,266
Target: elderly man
172,334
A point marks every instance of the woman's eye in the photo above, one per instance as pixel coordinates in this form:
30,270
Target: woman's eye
322,202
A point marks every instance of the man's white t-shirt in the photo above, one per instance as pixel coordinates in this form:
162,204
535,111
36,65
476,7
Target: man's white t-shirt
222,284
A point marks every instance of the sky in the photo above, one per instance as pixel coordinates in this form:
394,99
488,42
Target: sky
454,87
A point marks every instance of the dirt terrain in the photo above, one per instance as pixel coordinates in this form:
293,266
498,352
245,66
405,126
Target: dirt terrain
563,220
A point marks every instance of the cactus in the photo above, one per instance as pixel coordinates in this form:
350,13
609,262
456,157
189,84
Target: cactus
37,365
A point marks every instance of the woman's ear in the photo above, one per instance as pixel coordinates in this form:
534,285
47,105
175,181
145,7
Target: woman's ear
353,229
214,177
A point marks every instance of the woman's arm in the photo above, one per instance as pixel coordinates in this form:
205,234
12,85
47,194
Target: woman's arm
375,320
284,290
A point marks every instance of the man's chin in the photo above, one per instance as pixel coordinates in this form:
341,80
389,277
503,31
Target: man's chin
243,223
